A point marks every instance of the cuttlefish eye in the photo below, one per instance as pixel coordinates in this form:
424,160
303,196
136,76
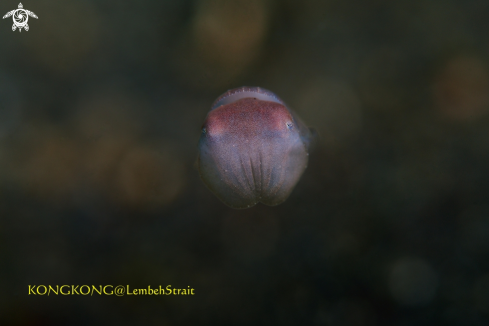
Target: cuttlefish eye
252,148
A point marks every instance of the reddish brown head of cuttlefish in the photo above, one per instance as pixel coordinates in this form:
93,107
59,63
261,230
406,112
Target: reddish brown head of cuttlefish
248,117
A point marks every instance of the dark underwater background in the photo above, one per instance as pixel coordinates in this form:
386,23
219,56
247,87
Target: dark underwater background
101,105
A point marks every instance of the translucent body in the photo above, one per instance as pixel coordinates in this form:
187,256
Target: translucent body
252,148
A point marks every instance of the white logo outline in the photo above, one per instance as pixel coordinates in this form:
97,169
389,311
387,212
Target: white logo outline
20,17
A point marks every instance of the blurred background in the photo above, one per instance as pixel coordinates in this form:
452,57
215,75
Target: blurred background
101,105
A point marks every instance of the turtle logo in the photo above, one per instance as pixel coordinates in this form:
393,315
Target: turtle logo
20,17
